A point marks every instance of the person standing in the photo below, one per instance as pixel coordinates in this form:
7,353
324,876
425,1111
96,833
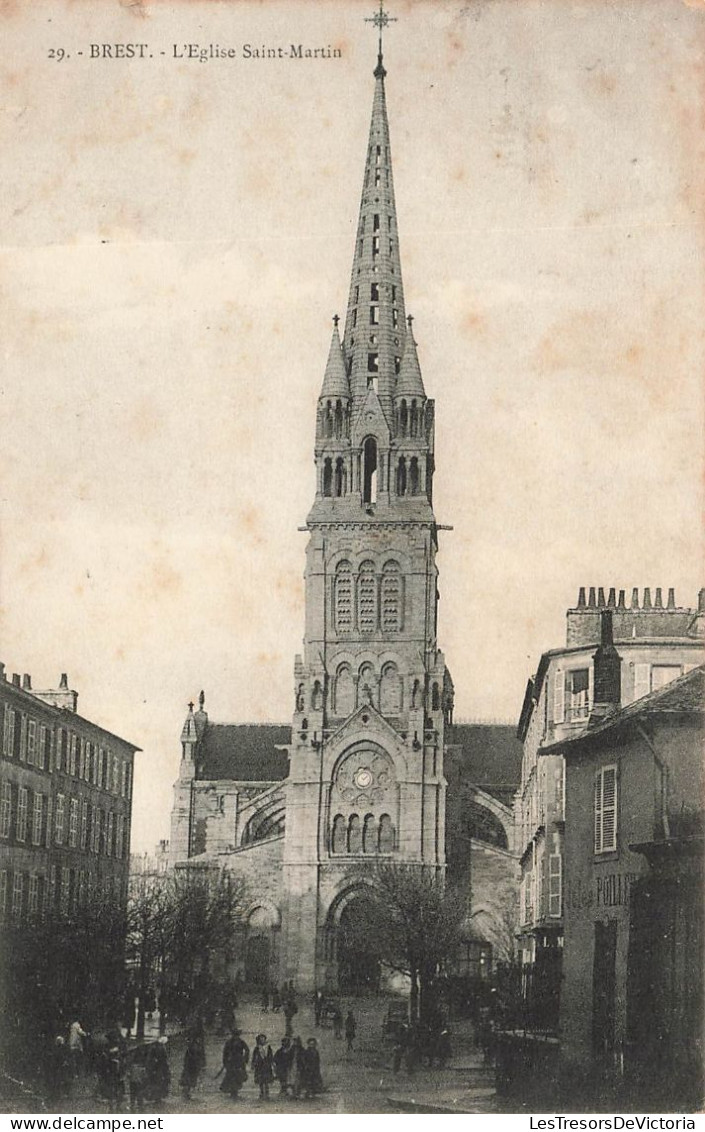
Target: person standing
290,1009
194,1060
262,1066
76,1036
282,1065
317,1006
338,1022
350,1030
236,1054
312,1080
297,1068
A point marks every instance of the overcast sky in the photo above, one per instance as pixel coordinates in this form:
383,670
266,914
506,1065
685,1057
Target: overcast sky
176,238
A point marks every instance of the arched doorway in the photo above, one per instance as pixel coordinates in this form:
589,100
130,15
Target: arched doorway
260,946
354,961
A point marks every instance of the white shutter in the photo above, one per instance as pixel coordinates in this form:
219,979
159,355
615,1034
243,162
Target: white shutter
558,696
609,807
555,878
598,812
606,809
642,680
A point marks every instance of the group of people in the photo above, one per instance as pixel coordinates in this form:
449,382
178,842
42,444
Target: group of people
414,1044
141,1070
296,1067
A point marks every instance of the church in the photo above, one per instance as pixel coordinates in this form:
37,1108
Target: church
371,765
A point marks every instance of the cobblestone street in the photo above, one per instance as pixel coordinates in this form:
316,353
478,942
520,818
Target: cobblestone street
359,1081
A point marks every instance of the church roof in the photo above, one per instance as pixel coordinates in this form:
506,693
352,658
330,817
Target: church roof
244,752
487,755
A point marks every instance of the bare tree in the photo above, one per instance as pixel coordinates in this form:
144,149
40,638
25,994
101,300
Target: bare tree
412,922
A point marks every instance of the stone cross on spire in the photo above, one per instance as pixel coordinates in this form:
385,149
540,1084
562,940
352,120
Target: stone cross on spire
380,20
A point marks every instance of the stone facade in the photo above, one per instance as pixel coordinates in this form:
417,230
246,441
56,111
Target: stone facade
633,971
363,770
65,801
658,642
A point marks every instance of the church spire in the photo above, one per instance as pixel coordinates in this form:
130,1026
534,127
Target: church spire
335,379
373,342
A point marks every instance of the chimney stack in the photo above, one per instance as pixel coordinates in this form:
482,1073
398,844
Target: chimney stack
620,603
647,597
671,599
591,598
601,597
16,679
27,682
64,681
611,599
658,600
701,601
607,673
635,598
581,598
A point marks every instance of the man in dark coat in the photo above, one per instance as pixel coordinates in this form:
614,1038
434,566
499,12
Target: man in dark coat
262,1066
350,1029
312,1080
236,1054
194,1061
282,1064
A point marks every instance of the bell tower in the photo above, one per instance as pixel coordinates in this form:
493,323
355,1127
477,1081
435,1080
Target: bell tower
372,693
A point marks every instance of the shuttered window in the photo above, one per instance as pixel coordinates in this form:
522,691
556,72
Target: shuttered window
343,598
606,809
555,881
367,598
558,697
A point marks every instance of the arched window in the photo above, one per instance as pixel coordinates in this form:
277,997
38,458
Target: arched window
317,696
414,476
338,418
328,426
369,470
340,477
343,597
403,418
386,834
367,598
416,694
390,690
354,834
435,698
366,684
338,837
401,476
327,476
344,692
391,597
369,834
414,419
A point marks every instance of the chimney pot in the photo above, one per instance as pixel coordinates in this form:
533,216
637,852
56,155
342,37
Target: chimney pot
2,671
581,597
647,597
635,598
16,679
671,598
620,603
27,682
601,598
591,598
658,600
64,681
611,599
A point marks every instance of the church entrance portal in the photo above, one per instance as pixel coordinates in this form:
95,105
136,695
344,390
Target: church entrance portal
358,961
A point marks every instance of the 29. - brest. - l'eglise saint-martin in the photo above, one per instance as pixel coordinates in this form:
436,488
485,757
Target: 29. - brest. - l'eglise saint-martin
364,769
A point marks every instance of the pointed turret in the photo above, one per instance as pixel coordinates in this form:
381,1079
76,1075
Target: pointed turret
409,382
375,328
335,380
